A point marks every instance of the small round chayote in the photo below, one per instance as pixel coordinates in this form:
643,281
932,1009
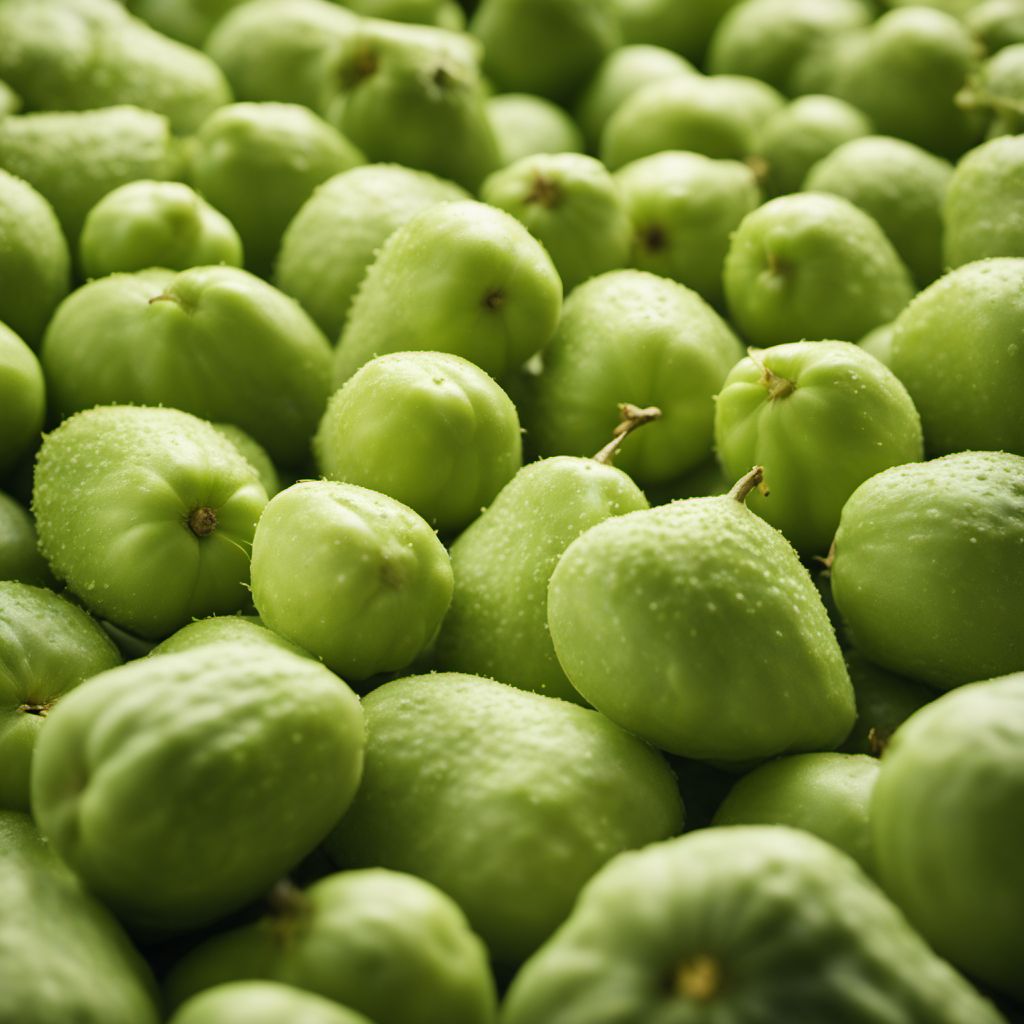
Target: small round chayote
22,399
147,514
155,224
465,448
353,576
263,1002
182,787
524,124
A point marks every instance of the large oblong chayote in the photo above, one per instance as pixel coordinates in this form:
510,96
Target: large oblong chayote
182,787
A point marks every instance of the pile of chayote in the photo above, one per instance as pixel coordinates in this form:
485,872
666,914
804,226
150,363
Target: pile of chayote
511,511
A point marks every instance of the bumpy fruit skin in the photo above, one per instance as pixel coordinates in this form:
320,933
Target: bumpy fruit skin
820,417
146,514
695,626
497,624
354,576
465,447
812,266
263,1002
63,956
458,277
738,925
947,827
825,794
34,259
928,571
456,761
215,341
47,647
155,224
181,787
387,944
633,337
22,400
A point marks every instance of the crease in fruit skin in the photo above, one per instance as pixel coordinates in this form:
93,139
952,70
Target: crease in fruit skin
776,386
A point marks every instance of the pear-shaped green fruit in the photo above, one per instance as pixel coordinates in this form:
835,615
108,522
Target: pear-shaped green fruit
459,277
827,795
812,266
497,623
695,626
182,787
76,158
19,557
901,185
958,350
571,204
22,400
387,944
215,341
455,761
412,94
735,925
547,47
74,56
524,124
983,206
276,49
34,260
625,70
904,71
335,235
380,579
996,23
929,568
63,956
820,417
155,224
47,647
465,448
997,91
684,208
188,21
716,116
259,162
219,628
795,138
632,337
147,514
683,27
964,893
766,39
263,1002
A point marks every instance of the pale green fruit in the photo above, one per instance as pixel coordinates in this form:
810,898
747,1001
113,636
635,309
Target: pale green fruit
189,21
717,116
996,23
19,557
63,956
22,400
47,647
34,259
458,277
263,1002
572,205
456,761
440,13
821,417
220,628
826,794
997,91
878,342
147,514
625,70
180,788
465,448
899,184
255,454
524,124
984,210
645,608
382,580
385,943
76,158
497,623
684,208
928,572
796,137
155,224
334,237
683,27
812,266
958,350
632,337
